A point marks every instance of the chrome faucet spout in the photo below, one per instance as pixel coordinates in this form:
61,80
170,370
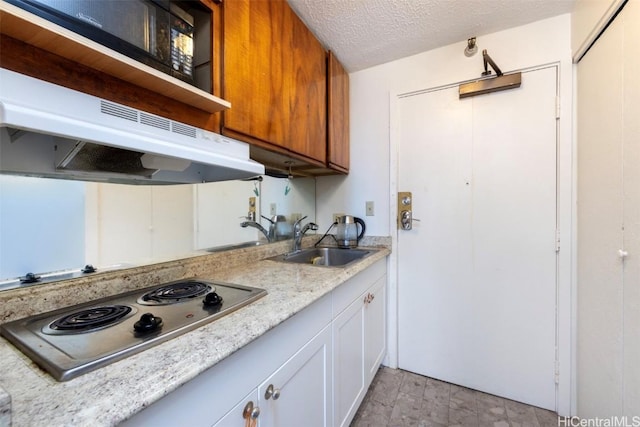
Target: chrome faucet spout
298,232
254,224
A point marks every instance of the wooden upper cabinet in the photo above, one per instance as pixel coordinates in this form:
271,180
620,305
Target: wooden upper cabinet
275,78
308,104
338,115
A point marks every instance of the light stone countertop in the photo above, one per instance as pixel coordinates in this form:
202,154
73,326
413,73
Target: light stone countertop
105,397
5,408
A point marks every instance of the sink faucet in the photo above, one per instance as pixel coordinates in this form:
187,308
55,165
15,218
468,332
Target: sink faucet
254,224
298,232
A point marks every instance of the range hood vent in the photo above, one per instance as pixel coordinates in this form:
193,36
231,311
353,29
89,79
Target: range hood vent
50,131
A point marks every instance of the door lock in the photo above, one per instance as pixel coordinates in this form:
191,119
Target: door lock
405,210
405,219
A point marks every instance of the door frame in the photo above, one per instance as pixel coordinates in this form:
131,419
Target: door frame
566,181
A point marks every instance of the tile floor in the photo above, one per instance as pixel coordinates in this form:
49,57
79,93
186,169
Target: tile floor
399,398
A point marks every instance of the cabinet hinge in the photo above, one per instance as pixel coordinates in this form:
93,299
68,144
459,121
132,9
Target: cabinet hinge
556,374
557,240
557,107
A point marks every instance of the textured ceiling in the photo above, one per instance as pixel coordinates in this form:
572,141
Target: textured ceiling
364,33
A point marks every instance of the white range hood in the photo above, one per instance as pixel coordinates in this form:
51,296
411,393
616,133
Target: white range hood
52,131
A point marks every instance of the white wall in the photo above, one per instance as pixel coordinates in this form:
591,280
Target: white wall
543,42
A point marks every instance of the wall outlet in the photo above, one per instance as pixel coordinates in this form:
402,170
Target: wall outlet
336,216
369,208
272,209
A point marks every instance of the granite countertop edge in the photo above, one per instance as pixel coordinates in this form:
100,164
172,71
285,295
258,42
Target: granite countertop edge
113,393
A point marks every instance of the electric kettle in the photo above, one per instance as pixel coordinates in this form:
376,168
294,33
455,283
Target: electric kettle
347,231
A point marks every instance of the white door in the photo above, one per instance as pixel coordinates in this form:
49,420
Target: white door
477,275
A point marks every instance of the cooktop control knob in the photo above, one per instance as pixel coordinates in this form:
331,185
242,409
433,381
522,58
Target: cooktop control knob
30,278
89,269
212,299
148,323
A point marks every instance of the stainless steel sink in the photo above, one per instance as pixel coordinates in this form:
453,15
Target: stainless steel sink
327,257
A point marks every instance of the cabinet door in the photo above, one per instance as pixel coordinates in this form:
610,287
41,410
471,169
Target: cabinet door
375,328
255,34
301,388
275,79
337,115
237,416
348,359
308,103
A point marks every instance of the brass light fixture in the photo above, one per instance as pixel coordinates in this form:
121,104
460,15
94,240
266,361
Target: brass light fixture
472,47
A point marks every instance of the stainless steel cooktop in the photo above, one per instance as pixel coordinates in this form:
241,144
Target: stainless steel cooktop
78,339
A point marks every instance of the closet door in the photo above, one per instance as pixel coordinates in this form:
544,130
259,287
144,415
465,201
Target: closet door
600,321
631,176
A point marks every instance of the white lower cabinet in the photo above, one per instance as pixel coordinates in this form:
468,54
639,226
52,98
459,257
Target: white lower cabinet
219,395
312,370
348,338
297,394
359,345
375,332
244,414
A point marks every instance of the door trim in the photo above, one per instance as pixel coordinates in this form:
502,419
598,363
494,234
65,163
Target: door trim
566,181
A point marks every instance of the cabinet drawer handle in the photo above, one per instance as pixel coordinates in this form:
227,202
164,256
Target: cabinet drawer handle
368,298
272,392
250,411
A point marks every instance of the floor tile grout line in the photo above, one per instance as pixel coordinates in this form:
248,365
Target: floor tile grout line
407,376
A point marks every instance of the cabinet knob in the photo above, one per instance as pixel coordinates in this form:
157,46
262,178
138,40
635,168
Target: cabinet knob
250,412
368,298
272,392
622,253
